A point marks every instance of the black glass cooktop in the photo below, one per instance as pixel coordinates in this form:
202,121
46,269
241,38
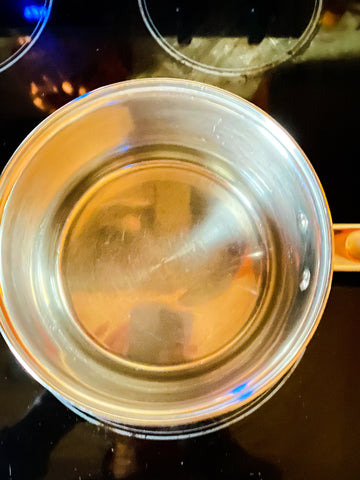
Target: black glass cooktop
310,429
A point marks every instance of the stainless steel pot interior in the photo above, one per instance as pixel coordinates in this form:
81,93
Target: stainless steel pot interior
166,255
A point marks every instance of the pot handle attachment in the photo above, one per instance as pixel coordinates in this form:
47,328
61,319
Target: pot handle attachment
347,247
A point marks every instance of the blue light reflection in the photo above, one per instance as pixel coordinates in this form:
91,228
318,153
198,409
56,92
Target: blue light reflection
124,148
239,388
82,96
33,13
240,393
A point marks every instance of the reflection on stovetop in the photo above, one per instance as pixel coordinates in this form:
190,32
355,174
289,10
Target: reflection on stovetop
114,456
251,18
82,49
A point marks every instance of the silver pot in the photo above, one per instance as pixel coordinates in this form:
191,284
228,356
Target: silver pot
166,256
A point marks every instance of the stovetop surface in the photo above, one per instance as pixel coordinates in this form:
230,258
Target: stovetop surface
311,427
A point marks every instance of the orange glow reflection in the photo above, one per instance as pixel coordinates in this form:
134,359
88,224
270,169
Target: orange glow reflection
67,87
